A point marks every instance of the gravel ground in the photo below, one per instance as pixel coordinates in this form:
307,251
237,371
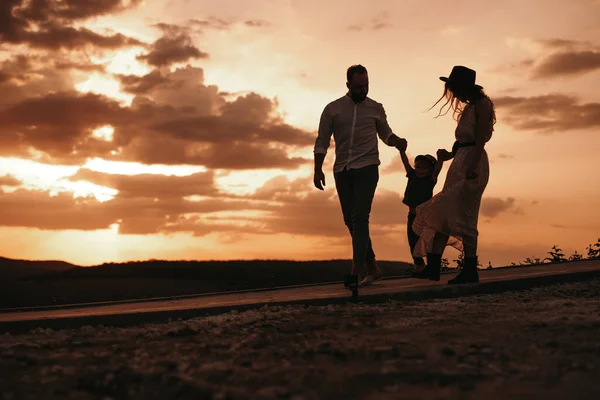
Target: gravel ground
536,344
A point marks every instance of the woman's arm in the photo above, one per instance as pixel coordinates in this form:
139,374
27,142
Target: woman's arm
437,170
442,156
482,125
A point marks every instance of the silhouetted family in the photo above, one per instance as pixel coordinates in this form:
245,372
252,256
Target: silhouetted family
447,219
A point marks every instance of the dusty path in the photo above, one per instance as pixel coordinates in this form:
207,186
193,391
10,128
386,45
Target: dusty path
537,344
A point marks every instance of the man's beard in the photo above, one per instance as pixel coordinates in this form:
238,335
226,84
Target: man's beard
357,98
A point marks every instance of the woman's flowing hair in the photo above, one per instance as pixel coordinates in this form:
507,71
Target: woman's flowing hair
457,106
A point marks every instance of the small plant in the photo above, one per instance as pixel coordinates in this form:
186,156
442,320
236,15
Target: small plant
575,256
445,263
556,255
460,261
593,251
529,261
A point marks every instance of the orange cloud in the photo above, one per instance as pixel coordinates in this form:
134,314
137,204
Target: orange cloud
9,180
492,206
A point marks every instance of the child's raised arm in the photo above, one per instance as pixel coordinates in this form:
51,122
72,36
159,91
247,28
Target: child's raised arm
407,165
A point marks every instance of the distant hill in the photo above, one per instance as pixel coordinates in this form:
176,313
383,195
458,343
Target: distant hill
17,269
35,283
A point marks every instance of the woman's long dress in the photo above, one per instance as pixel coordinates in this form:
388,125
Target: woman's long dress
454,211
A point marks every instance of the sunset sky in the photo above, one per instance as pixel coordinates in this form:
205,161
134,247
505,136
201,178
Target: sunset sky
184,129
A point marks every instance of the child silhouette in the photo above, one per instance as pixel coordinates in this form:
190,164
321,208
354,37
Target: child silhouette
422,178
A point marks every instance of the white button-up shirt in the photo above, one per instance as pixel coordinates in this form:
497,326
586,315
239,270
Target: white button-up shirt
355,127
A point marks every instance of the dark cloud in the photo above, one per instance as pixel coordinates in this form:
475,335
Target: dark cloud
210,22
48,24
548,113
175,119
55,37
561,43
492,206
568,63
221,24
31,76
304,210
42,123
376,26
561,58
280,206
70,65
4,77
175,46
142,84
150,185
44,10
38,209
148,204
137,208
257,23
377,23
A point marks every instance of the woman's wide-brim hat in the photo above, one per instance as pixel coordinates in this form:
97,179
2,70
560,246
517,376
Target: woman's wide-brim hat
462,76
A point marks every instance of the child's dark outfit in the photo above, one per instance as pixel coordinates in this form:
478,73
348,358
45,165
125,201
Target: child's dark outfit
418,190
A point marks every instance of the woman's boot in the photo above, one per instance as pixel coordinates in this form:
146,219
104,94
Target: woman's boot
468,274
432,269
419,265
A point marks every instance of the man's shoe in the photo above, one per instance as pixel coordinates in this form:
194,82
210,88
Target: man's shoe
373,273
370,278
351,281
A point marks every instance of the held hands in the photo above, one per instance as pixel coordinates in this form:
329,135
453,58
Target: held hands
444,155
319,179
401,144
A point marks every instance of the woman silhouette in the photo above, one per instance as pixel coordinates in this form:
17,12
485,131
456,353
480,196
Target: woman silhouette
450,217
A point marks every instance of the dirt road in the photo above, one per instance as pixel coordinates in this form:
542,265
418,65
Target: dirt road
537,344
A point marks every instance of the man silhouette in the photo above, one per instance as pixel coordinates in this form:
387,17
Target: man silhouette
355,122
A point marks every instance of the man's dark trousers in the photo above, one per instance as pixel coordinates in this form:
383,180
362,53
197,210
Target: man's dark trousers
356,189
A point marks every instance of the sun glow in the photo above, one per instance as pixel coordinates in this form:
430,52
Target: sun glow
133,168
53,178
123,62
105,133
246,182
101,84
56,178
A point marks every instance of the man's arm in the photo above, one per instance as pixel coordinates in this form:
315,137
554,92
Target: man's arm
385,132
321,145
324,134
